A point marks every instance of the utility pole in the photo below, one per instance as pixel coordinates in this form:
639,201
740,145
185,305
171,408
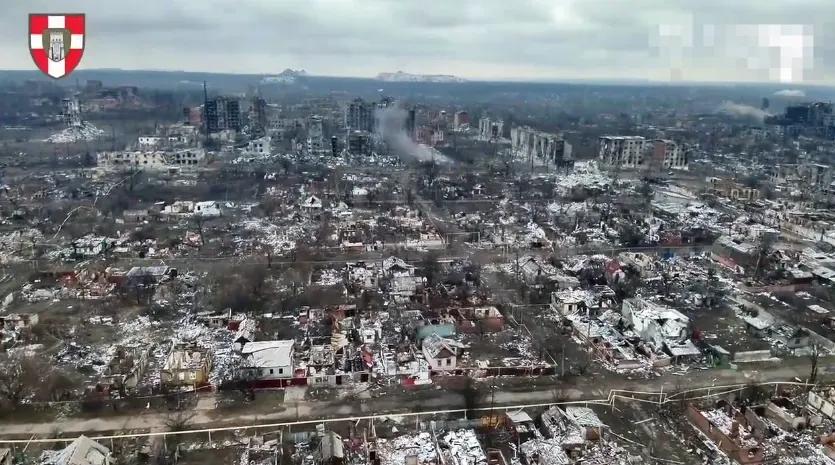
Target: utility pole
562,365
205,112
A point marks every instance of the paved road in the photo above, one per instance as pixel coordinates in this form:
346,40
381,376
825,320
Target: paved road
506,395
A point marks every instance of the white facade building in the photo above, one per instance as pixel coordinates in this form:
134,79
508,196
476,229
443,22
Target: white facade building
150,160
267,359
667,154
640,153
205,209
260,146
622,151
149,142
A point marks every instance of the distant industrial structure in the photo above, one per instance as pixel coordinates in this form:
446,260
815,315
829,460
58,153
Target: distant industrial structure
809,119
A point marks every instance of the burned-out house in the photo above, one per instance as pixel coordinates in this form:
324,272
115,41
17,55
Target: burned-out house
81,451
125,369
662,327
186,365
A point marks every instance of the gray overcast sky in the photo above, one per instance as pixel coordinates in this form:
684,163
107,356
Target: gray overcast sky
479,39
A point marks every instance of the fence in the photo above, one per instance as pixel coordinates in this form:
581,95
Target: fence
657,398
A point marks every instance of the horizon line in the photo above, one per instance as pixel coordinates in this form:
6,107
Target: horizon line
466,80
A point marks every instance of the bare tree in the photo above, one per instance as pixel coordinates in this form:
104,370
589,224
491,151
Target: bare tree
20,377
764,247
714,292
814,356
179,420
198,223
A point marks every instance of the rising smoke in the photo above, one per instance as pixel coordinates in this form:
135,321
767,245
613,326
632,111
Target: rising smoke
742,110
794,93
391,122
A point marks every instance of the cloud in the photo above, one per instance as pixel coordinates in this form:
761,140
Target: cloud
743,111
476,39
790,93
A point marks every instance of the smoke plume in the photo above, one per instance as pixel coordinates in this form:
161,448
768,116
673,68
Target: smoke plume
743,111
790,93
391,122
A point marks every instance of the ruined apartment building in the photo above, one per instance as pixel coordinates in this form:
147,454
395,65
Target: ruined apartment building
490,130
531,144
634,152
223,113
150,160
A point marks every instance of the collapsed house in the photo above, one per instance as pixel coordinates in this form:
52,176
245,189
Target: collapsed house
571,427
665,329
125,369
82,451
730,431
186,365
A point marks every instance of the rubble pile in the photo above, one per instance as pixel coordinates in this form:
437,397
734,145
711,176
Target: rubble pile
585,174
721,420
463,448
216,341
276,238
83,133
395,451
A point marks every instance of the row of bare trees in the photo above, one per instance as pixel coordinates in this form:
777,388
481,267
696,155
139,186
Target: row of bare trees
27,378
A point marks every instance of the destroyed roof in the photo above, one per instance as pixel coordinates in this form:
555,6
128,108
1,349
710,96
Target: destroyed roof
156,271
570,296
464,448
330,447
312,202
82,451
269,353
185,357
434,345
519,416
682,349
584,416
561,428
396,451
246,330
393,262
646,310
547,452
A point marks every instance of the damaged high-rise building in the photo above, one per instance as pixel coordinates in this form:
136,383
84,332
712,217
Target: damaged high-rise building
315,135
258,117
359,116
71,112
222,113
531,144
359,143
638,152
460,120
490,129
